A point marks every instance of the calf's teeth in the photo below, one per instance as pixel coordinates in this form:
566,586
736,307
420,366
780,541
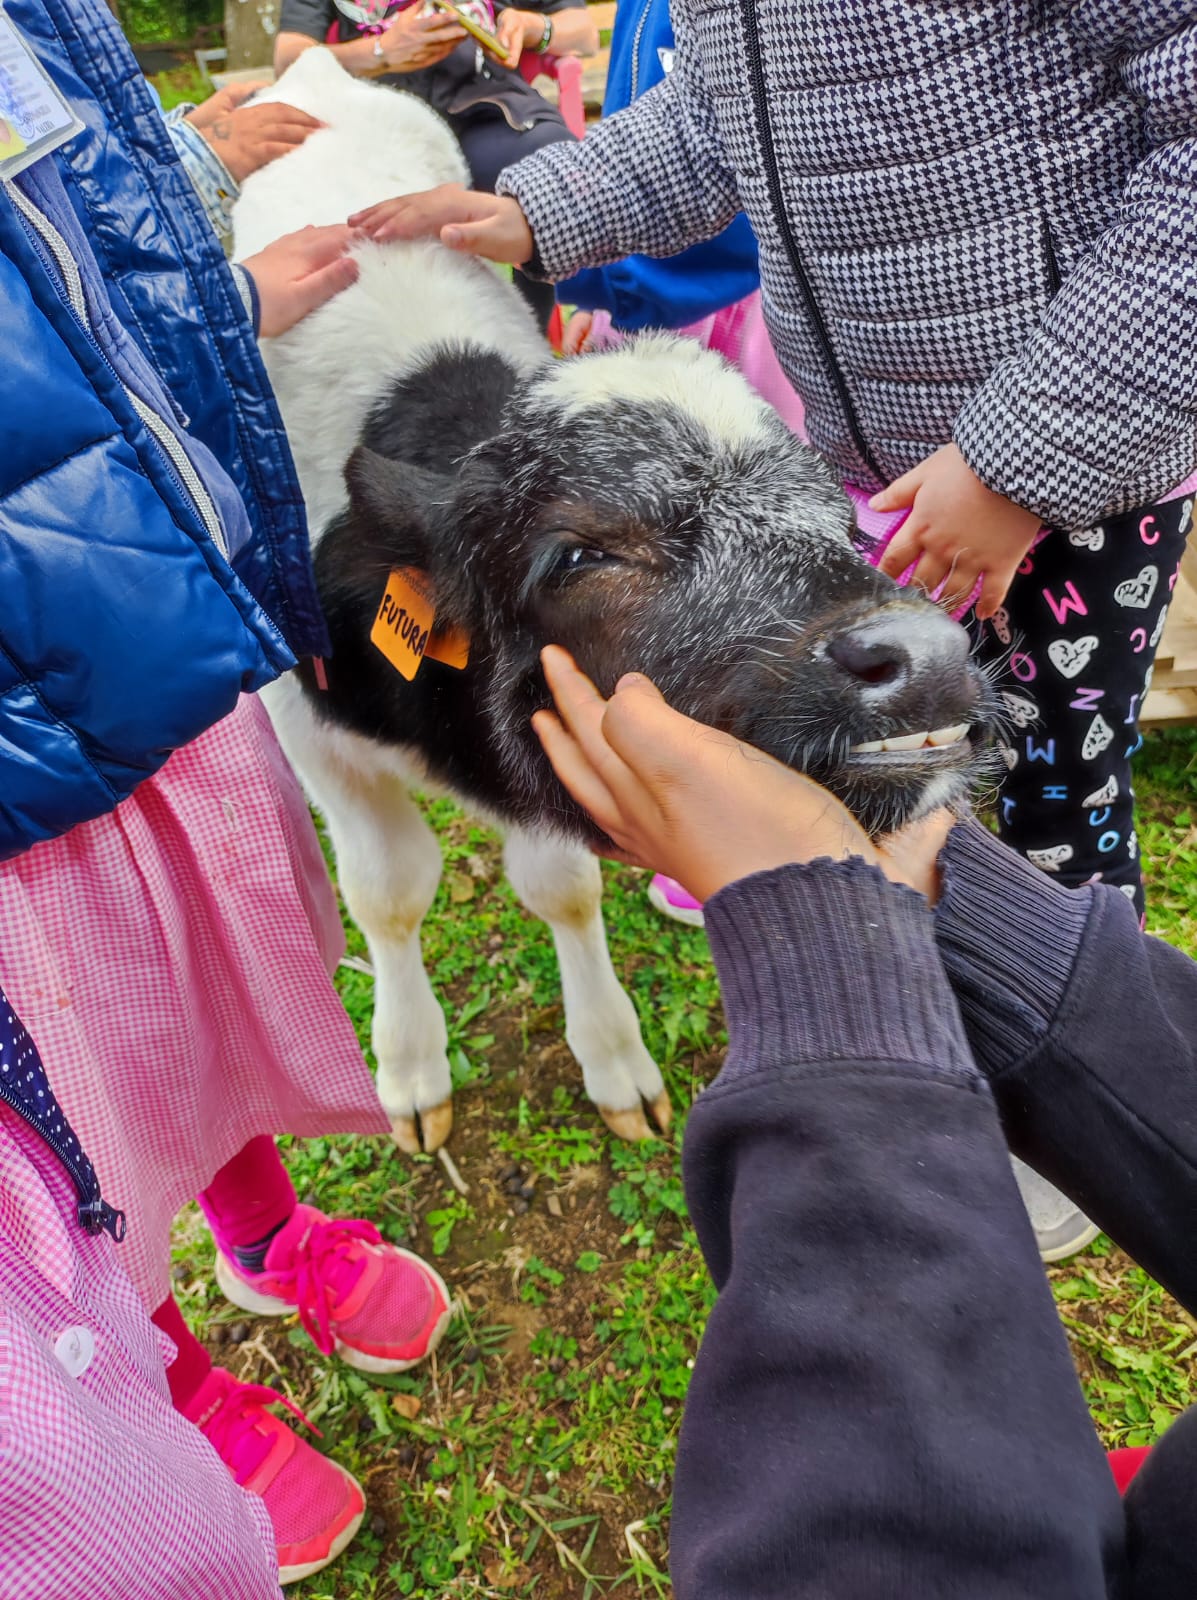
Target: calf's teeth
912,741
950,735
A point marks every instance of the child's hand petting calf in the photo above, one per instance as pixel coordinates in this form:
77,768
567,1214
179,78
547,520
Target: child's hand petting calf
298,273
958,531
490,225
697,804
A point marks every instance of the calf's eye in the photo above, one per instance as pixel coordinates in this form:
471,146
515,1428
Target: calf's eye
581,558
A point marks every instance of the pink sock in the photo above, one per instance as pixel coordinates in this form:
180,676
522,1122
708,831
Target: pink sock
249,1199
192,1364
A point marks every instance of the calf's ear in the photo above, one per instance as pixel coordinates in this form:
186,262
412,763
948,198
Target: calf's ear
395,495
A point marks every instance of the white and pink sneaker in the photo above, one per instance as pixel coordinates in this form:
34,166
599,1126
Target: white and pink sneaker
380,1308
671,900
315,1506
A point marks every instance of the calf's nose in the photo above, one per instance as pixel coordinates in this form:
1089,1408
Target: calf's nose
901,650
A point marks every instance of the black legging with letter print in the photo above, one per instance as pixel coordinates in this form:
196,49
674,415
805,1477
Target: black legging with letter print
1075,643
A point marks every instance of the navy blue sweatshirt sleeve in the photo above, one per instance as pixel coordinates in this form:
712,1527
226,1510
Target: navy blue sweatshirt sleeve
1086,1029
883,1405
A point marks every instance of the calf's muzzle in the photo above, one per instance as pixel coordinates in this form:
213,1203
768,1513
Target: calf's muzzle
906,667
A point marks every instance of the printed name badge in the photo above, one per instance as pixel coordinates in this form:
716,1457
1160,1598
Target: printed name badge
403,627
34,118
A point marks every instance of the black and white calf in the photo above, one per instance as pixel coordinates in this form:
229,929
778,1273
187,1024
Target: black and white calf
641,507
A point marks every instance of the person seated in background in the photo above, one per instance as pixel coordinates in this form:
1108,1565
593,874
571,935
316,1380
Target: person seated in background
884,1403
497,116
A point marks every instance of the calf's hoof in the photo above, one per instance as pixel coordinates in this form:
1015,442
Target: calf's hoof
436,1124
406,1135
426,1131
661,1109
632,1124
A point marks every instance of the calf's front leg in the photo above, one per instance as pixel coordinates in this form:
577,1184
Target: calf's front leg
561,883
388,866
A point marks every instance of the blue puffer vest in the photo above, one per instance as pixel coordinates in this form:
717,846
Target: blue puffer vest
124,633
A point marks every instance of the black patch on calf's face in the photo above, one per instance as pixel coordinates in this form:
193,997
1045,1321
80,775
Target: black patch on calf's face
630,536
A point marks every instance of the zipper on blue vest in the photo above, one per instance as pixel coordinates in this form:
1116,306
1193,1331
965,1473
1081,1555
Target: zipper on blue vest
60,264
93,1211
760,101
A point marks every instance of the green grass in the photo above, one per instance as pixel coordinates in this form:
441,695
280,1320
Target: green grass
540,1457
180,84
151,21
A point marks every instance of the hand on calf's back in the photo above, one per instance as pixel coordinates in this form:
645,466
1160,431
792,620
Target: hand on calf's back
298,273
478,224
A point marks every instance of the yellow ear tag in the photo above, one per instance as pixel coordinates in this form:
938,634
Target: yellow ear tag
403,627
451,647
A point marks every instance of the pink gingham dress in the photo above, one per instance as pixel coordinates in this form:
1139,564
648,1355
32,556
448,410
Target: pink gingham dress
106,1492
172,962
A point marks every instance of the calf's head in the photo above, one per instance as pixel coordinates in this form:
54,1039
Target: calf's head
644,509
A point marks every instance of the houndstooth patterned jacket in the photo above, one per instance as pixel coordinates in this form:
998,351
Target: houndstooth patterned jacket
977,219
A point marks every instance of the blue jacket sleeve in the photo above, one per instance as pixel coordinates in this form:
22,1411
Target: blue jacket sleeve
654,178
640,292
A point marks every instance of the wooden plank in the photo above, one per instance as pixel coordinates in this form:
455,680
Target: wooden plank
1188,565
594,84
1164,706
1179,643
1173,694
1177,678
243,75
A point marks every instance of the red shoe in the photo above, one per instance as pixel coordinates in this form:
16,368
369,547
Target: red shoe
1125,1463
380,1308
314,1505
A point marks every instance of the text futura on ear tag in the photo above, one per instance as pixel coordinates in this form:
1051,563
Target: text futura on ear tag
403,628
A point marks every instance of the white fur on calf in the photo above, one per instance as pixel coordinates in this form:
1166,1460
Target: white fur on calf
329,373
332,369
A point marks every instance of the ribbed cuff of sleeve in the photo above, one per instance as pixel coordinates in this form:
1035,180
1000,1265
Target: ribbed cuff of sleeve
248,290
1008,938
831,962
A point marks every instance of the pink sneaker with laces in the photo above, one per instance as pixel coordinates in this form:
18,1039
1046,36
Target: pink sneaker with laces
380,1308
671,900
314,1505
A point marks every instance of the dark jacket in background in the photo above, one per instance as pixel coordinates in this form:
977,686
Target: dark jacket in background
884,1406
466,80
